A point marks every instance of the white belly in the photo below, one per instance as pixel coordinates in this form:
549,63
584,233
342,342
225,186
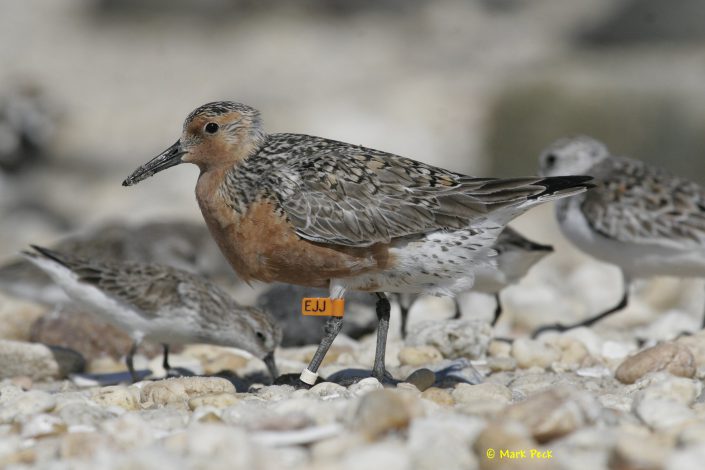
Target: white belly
440,263
637,259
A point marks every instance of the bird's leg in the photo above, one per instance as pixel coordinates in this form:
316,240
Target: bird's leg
703,324
404,310
165,361
458,313
497,309
592,320
330,330
129,360
383,308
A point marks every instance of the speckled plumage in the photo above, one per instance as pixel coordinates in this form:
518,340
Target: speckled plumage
516,255
345,194
638,217
160,303
181,244
321,213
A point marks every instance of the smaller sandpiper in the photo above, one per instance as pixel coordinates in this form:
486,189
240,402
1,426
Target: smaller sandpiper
516,255
162,304
639,217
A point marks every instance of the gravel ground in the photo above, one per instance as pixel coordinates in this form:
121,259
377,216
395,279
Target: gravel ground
584,399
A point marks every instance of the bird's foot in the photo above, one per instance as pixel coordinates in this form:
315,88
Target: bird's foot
555,327
295,381
385,378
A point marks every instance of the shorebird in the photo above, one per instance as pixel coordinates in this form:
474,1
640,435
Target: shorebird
516,255
638,217
178,243
321,213
162,304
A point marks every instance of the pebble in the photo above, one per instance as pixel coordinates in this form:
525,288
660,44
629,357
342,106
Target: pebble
215,400
37,361
42,425
642,450
453,338
665,401
501,363
85,415
329,390
382,411
128,398
444,442
483,399
508,435
25,405
670,357
182,389
419,355
275,392
554,413
439,396
530,352
422,379
365,386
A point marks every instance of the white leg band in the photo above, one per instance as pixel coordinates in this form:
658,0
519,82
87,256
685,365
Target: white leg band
308,377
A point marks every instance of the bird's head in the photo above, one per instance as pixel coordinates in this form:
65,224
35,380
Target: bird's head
572,156
217,133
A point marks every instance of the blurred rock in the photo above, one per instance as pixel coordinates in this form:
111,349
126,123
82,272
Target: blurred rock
670,357
17,318
24,405
283,301
217,400
27,125
422,378
505,435
182,389
118,395
665,401
365,386
88,334
382,411
554,413
453,338
419,356
443,442
439,396
483,399
643,451
534,352
37,361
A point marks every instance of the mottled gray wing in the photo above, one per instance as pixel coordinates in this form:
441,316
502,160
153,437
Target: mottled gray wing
635,202
350,195
147,287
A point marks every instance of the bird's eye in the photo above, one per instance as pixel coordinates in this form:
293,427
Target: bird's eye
211,128
260,336
550,160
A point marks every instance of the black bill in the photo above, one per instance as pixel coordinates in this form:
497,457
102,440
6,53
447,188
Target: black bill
271,365
168,158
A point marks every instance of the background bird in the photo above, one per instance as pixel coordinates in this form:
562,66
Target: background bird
638,217
178,243
161,304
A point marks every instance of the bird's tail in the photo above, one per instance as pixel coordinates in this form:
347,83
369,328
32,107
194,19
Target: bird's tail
539,190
